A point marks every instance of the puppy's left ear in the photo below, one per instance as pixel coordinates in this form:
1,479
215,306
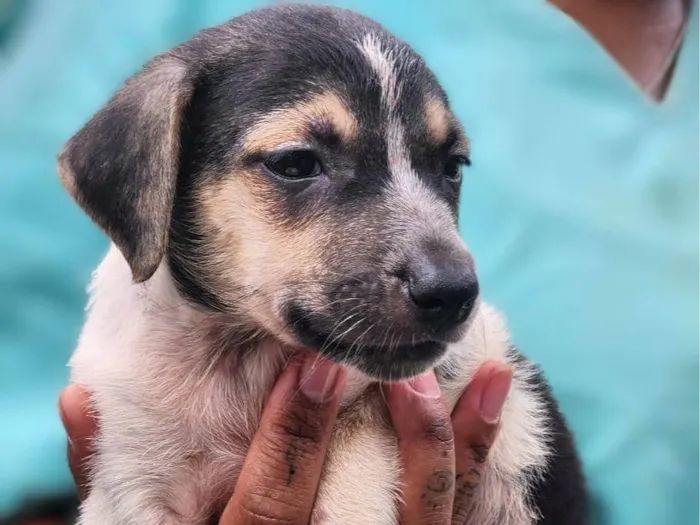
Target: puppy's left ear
122,166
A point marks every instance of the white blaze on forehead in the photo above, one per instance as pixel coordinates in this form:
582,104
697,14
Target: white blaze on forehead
383,62
412,201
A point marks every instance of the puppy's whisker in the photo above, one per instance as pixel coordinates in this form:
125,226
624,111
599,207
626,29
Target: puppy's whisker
351,314
341,336
386,333
359,339
342,300
337,326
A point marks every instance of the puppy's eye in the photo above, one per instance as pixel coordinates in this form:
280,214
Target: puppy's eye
299,164
453,167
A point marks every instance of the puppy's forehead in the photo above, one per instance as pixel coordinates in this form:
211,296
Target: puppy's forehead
379,83
411,96
283,74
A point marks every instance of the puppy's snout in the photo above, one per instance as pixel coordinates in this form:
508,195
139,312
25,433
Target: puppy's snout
443,287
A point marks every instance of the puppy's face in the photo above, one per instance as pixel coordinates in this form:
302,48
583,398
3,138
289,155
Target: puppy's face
312,169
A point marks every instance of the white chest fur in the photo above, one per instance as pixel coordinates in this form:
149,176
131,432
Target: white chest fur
178,410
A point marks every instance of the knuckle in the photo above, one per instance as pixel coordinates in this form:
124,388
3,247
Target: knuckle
305,423
461,514
437,432
264,508
477,452
437,511
467,485
440,485
303,428
294,439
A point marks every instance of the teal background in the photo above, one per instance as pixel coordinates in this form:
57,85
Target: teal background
581,209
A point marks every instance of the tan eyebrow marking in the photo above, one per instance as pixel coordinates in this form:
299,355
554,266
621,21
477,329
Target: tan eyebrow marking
443,127
292,125
437,119
383,62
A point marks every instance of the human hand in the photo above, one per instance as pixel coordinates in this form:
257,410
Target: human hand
444,457
438,482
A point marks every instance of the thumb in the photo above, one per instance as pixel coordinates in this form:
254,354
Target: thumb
80,425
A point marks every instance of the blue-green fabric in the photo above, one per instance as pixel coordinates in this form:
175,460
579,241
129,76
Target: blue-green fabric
581,208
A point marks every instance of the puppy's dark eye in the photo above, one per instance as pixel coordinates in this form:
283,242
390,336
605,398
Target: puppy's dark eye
453,167
299,164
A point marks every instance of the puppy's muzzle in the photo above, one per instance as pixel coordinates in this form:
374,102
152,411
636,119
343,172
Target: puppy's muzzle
395,323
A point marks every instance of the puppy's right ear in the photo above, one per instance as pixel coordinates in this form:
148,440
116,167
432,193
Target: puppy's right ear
122,166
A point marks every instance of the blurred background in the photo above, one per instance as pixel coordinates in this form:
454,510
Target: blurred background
581,209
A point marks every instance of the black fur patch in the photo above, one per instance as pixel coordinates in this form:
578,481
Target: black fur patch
560,495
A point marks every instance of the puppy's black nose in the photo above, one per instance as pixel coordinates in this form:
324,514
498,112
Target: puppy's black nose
443,292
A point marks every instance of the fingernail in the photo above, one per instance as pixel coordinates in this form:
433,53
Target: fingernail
318,378
495,394
426,385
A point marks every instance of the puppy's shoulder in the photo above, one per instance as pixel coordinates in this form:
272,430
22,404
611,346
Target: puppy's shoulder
122,319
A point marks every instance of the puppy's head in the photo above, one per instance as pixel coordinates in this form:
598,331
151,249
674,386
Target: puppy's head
298,169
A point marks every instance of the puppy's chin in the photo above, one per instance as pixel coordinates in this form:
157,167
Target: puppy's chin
396,363
383,363
392,361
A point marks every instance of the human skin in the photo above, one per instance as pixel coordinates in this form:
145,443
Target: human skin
641,35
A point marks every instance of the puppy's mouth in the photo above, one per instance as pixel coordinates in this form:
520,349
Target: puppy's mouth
389,361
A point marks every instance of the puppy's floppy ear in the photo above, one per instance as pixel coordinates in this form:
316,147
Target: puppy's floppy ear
121,167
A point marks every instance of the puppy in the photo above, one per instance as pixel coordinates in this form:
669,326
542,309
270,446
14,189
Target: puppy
288,179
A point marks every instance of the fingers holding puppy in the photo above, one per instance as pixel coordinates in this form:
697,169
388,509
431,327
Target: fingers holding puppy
476,423
280,475
444,457
426,445
80,425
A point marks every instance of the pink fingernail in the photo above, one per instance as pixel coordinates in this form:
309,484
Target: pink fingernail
318,378
495,394
426,385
